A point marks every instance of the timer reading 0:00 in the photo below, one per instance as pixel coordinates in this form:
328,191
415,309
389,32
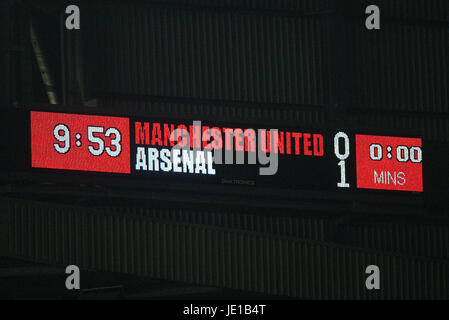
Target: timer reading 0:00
64,139
403,153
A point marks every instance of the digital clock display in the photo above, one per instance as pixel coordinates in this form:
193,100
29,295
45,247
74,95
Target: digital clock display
79,142
307,159
389,163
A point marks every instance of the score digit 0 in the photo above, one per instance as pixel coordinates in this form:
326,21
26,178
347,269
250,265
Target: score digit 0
342,156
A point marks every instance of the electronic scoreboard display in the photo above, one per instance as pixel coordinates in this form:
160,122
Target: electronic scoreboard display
154,151
179,156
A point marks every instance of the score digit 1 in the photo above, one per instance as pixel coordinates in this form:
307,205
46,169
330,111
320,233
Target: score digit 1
342,156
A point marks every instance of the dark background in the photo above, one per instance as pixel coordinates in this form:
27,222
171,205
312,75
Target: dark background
300,64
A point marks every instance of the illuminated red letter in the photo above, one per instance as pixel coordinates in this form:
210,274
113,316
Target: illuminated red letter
297,136
318,147
307,144
156,134
142,134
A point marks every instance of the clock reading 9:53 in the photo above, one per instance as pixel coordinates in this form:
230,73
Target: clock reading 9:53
62,135
80,142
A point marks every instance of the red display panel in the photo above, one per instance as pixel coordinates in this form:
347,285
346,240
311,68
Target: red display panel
80,142
389,163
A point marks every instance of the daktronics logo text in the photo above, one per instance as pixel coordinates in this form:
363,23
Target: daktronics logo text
196,149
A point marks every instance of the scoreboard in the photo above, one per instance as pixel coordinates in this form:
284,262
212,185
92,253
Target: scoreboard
123,154
144,150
